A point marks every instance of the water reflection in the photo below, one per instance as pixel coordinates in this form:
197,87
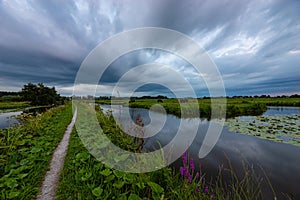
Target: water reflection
282,110
280,161
8,120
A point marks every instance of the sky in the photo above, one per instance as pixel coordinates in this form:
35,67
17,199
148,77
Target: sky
254,44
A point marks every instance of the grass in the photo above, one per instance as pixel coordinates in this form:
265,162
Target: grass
84,177
26,151
14,105
234,106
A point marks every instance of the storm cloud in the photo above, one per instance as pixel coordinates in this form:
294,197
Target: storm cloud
254,44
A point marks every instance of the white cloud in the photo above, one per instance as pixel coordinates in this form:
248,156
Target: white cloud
240,45
294,52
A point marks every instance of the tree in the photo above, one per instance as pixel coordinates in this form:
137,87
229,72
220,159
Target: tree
40,94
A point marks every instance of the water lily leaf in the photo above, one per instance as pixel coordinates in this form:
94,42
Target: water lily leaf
278,128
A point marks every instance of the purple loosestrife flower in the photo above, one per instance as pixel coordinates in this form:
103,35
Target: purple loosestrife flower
206,189
183,171
190,178
192,165
212,197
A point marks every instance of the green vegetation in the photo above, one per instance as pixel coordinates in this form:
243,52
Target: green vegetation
31,95
278,128
25,152
10,96
40,95
14,105
234,106
84,177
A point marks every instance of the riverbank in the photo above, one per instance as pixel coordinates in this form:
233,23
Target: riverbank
234,106
14,105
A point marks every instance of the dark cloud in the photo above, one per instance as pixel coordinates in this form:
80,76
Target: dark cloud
255,44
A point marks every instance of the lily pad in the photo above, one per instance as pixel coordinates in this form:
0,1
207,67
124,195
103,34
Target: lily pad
278,128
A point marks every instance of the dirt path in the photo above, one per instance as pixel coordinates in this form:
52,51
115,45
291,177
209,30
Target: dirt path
48,188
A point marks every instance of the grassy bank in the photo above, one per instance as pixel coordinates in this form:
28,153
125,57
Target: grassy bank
26,151
83,177
13,105
234,106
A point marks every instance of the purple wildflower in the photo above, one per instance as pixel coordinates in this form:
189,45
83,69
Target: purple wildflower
212,197
192,165
206,189
190,178
183,171
197,189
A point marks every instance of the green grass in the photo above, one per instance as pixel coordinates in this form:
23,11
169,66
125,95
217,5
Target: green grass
234,106
26,151
84,177
13,105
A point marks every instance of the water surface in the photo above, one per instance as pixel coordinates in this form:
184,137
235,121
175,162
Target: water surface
280,161
282,110
7,119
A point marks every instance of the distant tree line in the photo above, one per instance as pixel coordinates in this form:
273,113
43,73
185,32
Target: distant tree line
10,96
4,93
205,97
131,98
268,96
257,96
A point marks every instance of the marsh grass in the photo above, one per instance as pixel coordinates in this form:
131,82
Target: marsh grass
234,106
13,105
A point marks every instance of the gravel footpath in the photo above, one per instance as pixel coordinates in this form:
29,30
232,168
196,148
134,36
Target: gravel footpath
48,188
